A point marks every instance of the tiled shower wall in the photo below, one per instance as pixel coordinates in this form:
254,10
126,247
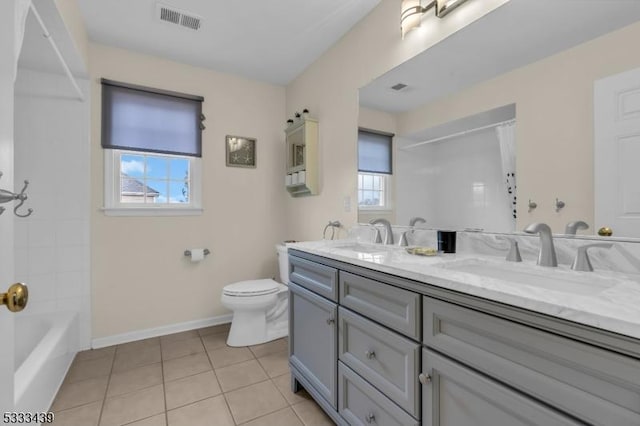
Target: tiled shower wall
454,184
52,152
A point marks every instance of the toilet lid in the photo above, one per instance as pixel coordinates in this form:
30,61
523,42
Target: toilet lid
251,288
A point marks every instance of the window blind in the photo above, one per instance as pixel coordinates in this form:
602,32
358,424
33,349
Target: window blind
143,119
374,152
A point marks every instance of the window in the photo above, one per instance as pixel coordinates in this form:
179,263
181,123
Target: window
152,145
374,169
372,190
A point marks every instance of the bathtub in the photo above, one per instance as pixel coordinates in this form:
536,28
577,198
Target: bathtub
44,348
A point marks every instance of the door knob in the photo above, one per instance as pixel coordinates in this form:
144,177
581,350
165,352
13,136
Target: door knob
15,298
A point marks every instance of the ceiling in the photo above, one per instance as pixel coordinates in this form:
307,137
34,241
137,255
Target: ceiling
271,41
513,35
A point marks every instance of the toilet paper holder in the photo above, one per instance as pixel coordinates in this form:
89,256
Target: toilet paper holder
188,252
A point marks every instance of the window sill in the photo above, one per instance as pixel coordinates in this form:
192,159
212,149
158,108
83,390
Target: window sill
375,209
151,211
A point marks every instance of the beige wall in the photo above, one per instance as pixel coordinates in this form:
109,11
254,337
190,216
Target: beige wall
329,88
70,13
140,278
554,132
376,120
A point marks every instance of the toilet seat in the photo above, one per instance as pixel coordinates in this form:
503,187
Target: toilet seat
251,288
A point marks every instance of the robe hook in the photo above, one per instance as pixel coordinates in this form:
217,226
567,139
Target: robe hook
7,196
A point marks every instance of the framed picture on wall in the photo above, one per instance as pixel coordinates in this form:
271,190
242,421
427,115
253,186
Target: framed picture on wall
241,151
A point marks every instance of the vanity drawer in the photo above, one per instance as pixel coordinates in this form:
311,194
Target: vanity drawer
387,360
590,383
362,404
394,307
320,279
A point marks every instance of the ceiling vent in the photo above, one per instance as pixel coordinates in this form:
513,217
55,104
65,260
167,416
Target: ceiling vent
172,15
398,87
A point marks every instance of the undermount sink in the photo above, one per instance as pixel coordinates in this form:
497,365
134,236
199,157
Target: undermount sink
366,248
534,276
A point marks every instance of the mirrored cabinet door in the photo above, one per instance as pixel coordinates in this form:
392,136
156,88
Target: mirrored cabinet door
295,149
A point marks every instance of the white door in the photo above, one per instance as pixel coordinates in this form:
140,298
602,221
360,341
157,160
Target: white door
6,219
617,153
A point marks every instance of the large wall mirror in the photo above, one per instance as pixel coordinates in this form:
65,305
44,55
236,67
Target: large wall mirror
494,126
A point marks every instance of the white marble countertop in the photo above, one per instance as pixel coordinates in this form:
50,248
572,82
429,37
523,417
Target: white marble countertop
606,300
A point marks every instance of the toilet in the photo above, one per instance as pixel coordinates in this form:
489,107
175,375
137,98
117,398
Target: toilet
260,307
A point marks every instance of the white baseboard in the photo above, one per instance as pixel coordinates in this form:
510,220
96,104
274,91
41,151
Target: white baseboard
159,331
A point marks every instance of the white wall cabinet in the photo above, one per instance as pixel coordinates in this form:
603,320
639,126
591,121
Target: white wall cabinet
302,158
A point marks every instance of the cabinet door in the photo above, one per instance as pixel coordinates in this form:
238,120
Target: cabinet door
295,148
458,396
313,340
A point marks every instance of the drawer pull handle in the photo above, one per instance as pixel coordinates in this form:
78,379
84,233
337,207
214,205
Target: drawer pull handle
424,378
370,354
370,418
331,320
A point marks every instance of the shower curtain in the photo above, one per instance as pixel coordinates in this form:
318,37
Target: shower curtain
507,138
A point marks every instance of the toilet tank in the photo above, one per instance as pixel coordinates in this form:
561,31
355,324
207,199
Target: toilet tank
283,263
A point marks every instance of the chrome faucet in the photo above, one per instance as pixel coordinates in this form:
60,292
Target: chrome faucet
547,254
416,220
514,251
377,239
572,227
388,236
404,242
582,262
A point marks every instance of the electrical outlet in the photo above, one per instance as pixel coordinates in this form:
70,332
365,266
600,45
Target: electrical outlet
347,203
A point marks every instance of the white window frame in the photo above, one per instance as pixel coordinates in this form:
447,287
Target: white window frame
114,207
387,181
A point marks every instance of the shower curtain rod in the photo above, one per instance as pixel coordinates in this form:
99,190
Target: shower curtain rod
453,135
67,70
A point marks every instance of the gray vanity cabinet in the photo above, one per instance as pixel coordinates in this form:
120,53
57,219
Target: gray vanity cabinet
312,341
402,352
455,395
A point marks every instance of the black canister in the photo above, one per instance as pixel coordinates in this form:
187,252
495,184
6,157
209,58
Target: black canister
447,241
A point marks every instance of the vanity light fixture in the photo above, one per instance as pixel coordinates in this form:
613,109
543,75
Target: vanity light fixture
443,7
411,12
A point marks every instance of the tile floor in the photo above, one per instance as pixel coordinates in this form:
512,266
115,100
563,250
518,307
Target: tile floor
185,379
